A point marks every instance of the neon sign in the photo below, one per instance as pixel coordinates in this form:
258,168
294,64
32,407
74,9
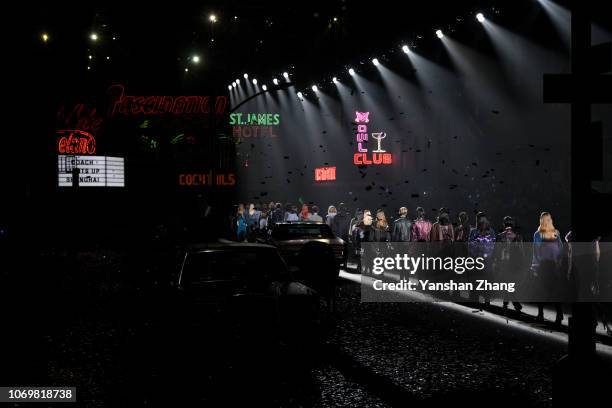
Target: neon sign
362,157
325,173
253,131
207,179
162,105
81,117
267,119
255,125
76,142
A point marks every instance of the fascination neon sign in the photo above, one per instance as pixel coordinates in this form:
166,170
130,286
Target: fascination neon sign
123,104
362,157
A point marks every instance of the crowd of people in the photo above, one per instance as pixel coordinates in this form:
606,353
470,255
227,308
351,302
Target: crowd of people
252,220
546,258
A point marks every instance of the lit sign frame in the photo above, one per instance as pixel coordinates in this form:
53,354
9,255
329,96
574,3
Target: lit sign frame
93,171
325,173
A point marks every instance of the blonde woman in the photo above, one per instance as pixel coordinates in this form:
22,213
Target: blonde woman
546,264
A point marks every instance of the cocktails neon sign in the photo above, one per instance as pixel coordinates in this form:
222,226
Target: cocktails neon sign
379,155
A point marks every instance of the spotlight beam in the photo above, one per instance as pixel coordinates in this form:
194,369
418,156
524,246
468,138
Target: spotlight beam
282,86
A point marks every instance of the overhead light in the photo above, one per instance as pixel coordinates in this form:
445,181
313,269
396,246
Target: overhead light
275,81
212,18
299,94
229,87
351,71
45,37
286,75
246,76
439,33
186,69
254,81
94,37
334,79
195,59
405,49
264,87
375,61
314,88
480,17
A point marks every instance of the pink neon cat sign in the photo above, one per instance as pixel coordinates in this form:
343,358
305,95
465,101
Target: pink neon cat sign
379,155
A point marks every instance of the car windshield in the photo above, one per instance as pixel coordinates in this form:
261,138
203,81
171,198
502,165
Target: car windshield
302,231
233,265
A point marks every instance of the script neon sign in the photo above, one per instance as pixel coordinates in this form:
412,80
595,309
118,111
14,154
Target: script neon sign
362,137
76,142
163,104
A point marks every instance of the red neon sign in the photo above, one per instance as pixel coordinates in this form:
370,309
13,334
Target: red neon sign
376,158
81,117
207,179
325,173
162,104
76,142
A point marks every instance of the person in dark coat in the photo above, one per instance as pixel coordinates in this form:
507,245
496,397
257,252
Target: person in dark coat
381,230
277,215
462,232
341,222
362,232
509,258
401,227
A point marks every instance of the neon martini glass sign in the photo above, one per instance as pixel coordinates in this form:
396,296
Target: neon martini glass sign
363,156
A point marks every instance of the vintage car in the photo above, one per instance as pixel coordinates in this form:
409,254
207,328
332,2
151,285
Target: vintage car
243,288
290,237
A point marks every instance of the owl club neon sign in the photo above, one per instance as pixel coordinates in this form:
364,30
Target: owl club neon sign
363,156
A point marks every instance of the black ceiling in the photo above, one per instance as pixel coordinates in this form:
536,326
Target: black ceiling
154,41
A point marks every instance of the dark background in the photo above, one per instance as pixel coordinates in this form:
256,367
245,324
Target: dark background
153,44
